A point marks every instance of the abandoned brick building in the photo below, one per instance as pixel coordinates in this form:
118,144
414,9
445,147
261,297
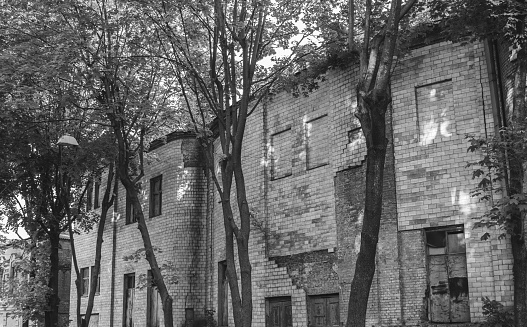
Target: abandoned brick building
305,179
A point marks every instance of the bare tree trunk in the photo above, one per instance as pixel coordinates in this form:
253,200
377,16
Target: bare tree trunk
107,202
52,316
374,128
77,275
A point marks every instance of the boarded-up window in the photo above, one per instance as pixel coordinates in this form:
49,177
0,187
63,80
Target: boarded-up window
324,311
154,307
281,154
128,300
223,295
279,312
447,275
435,112
317,141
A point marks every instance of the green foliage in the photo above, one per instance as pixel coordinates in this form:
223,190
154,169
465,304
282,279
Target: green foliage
168,268
496,315
477,19
492,171
27,291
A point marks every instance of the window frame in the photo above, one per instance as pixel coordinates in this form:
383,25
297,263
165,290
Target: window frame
85,283
446,230
128,279
89,196
130,214
154,194
96,194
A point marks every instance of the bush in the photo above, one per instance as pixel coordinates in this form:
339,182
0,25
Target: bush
496,315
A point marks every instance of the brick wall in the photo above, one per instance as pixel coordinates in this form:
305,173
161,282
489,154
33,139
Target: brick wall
448,85
313,215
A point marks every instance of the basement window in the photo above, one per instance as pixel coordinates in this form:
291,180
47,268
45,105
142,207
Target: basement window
448,298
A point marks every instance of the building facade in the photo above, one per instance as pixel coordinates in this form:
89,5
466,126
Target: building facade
304,166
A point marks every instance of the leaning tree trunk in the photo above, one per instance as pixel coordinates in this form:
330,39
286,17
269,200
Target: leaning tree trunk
371,113
107,202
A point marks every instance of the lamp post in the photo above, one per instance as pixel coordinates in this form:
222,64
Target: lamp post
62,188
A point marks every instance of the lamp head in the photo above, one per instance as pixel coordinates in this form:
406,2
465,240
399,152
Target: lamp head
67,140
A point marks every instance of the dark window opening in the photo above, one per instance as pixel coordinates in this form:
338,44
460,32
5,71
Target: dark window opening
153,305
96,195
324,311
155,196
223,295
279,312
89,195
447,276
85,285
130,212
128,300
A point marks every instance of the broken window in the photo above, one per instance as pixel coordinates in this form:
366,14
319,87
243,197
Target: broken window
324,311
129,294
223,295
279,312
447,275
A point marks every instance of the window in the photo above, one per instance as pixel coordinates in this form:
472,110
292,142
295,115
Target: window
447,275
96,195
130,213
128,300
223,295
155,195
324,311
435,111
87,276
279,312
98,285
317,146
153,309
89,200
281,154
85,285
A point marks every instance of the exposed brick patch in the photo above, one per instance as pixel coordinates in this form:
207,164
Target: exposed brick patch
315,272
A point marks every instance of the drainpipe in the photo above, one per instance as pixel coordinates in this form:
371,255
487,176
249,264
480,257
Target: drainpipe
114,240
496,94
